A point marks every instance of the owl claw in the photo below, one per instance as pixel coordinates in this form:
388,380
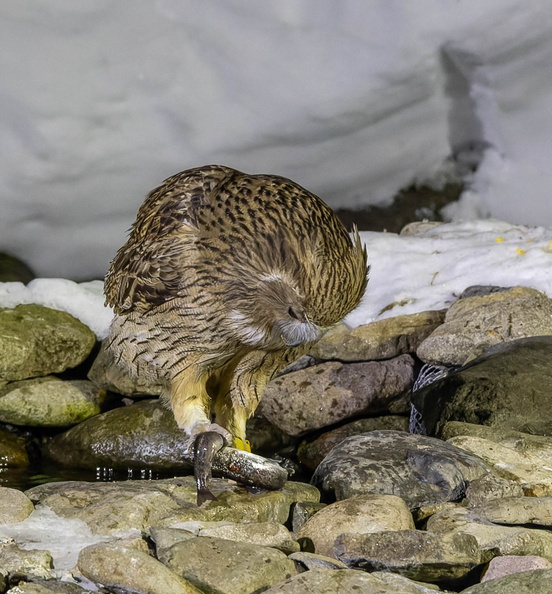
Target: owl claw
241,444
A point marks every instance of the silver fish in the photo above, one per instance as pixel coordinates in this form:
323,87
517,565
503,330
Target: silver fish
210,456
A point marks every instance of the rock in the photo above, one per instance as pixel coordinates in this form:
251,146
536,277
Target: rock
312,453
330,581
417,555
531,472
383,339
117,507
117,566
325,394
15,506
302,511
518,511
25,563
475,323
266,534
492,539
361,514
218,565
42,586
419,469
509,564
418,228
37,341
49,402
143,435
14,270
313,561
13,451
528,582
508,387
489,487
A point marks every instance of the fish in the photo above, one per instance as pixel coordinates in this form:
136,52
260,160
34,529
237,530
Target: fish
206,445
212,456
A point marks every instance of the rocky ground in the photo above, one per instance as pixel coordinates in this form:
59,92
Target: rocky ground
461,503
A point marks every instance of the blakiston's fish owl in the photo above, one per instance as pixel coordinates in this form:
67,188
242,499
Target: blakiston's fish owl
224,280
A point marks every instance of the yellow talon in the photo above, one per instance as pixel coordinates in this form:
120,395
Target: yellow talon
241,445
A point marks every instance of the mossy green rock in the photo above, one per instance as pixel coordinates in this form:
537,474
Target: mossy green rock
36,341
49,402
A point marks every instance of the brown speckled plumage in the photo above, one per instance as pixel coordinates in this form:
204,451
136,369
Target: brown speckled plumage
225,279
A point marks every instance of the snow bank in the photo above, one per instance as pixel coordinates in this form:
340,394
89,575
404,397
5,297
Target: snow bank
103,100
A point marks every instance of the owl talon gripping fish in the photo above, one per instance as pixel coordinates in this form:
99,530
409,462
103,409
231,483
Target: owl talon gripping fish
225,279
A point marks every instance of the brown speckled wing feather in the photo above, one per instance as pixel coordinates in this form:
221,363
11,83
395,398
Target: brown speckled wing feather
147,270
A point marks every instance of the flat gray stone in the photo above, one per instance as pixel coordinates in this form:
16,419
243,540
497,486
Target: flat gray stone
37,341
419,469
361,514
417,555
473,324
218,565
332,581
528,582
118,566
325,394
383,339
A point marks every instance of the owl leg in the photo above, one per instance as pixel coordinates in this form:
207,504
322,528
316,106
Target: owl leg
190,403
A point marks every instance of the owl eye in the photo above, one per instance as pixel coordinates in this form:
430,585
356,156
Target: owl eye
292,313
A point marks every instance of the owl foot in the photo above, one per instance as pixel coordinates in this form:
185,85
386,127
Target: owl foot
241,444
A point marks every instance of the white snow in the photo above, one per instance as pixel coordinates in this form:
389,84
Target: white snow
84,301
408,274
352,99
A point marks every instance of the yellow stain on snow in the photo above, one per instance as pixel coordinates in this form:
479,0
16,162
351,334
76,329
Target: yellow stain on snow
519,251
499,239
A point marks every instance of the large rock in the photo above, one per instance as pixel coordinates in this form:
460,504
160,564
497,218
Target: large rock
218,565
419,469
311,453
507,387
117,507
361,514
473,324
25,563
330,581
418,555
125,568
143,435
49,402
36,341
15,506
383,339
528,582
493,539
325,394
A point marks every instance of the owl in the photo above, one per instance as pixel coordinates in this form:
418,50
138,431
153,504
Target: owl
224,280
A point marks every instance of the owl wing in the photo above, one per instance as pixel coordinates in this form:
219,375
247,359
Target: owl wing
150,268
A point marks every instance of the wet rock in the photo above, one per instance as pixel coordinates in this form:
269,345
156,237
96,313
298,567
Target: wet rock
312,453
361,514
37,341
143,435
25,563
325,394
15,506
13,451
417,555
508,387
14,270
117,566
529,471
49,402
534,582
473,324
266,534
218,565
117,507
330,581
419,469
493,539
509,564
383,339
